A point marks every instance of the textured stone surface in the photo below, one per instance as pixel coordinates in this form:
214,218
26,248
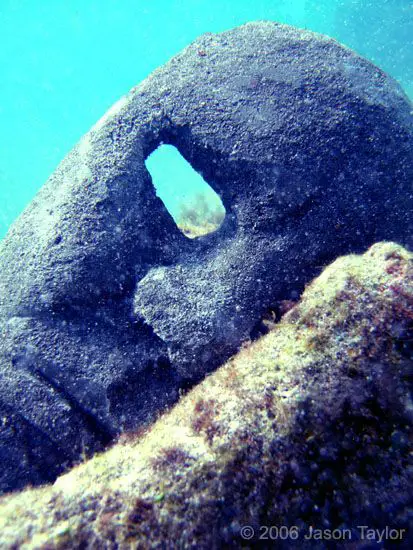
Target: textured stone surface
309,426
107,309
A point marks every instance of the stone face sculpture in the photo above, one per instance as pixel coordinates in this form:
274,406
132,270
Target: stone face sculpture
106,309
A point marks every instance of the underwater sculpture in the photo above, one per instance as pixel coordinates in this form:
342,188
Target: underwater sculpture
106,309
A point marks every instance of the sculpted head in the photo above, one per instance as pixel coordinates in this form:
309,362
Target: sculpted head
108,308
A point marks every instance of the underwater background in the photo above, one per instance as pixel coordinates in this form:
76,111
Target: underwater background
64,63
252,385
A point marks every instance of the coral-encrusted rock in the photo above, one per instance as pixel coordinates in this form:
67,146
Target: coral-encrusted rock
309,427
106,306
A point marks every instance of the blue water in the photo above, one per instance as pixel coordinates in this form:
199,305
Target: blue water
64,63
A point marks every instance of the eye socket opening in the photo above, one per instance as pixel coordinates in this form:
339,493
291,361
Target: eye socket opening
194,206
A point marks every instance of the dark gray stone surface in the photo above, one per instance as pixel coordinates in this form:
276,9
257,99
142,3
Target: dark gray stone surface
106,309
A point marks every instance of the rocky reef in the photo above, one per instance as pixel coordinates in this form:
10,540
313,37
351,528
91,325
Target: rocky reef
107,311
309,427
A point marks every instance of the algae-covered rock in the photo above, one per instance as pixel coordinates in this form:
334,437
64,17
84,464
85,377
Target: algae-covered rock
309,427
